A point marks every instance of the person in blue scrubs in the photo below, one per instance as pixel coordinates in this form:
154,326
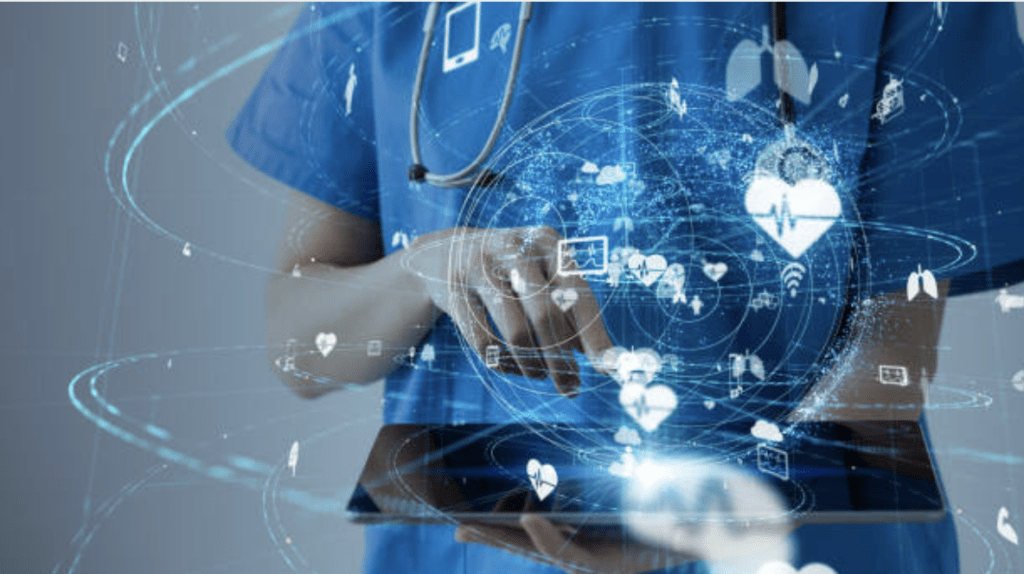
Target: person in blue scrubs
647,125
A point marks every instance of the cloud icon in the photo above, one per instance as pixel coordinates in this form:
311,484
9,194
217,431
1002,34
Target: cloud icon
626,435
765,430
590,167
610,174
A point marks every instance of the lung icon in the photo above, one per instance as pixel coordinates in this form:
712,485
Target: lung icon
743,71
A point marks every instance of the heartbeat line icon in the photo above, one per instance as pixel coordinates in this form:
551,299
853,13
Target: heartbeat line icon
795,216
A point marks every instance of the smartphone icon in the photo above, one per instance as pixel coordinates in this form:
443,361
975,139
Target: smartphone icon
461,36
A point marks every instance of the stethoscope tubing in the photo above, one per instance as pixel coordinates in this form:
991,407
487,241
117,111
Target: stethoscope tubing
468,175
471,174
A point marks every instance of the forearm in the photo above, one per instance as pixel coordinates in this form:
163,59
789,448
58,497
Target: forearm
376,301
890,332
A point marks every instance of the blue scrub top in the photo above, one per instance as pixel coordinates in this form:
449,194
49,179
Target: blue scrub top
918,139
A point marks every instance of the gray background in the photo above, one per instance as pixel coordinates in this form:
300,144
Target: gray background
82,283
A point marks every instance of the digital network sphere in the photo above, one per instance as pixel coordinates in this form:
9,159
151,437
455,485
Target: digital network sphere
648,186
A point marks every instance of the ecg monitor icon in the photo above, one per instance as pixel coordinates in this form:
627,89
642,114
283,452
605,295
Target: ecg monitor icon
583,256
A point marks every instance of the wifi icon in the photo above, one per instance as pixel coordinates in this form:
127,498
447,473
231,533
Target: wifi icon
792,274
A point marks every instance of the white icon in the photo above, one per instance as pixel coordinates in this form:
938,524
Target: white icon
350,88
675,102
735,392
461,43
293,457
1004,528
709,404
623,222
795,216
543,477
778,567
325,342
921,281
289,356
170,362
672,284
492,356
400,238
517,282
714,271
765,430
640,365
696,304
187,249
428,354
590,168
1018,380
756,256
647,269
628,436
614,271
791,275
843,100
672,360
893,375
1009,302
296,272
374,348
122,52
773,461
501,36
1019,9
583,256
625,466
743,71
891,103
740,364
764,300
610,175
648,406
565,298
720,157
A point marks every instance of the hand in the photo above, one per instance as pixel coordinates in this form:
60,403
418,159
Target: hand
889,331
510,275
570,549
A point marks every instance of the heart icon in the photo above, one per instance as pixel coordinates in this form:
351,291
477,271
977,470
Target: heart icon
714,271
636,366
795,216
326,342
564,298
778,567
648,406
647,269
543,478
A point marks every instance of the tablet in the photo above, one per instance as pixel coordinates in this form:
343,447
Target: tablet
819,473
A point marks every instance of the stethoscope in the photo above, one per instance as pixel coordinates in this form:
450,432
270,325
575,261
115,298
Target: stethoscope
472,174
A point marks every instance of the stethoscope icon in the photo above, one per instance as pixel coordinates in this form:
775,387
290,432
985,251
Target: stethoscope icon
471,174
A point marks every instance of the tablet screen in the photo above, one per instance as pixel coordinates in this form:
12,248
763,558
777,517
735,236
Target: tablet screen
822,472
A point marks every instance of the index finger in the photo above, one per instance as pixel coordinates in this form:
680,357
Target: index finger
585,318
